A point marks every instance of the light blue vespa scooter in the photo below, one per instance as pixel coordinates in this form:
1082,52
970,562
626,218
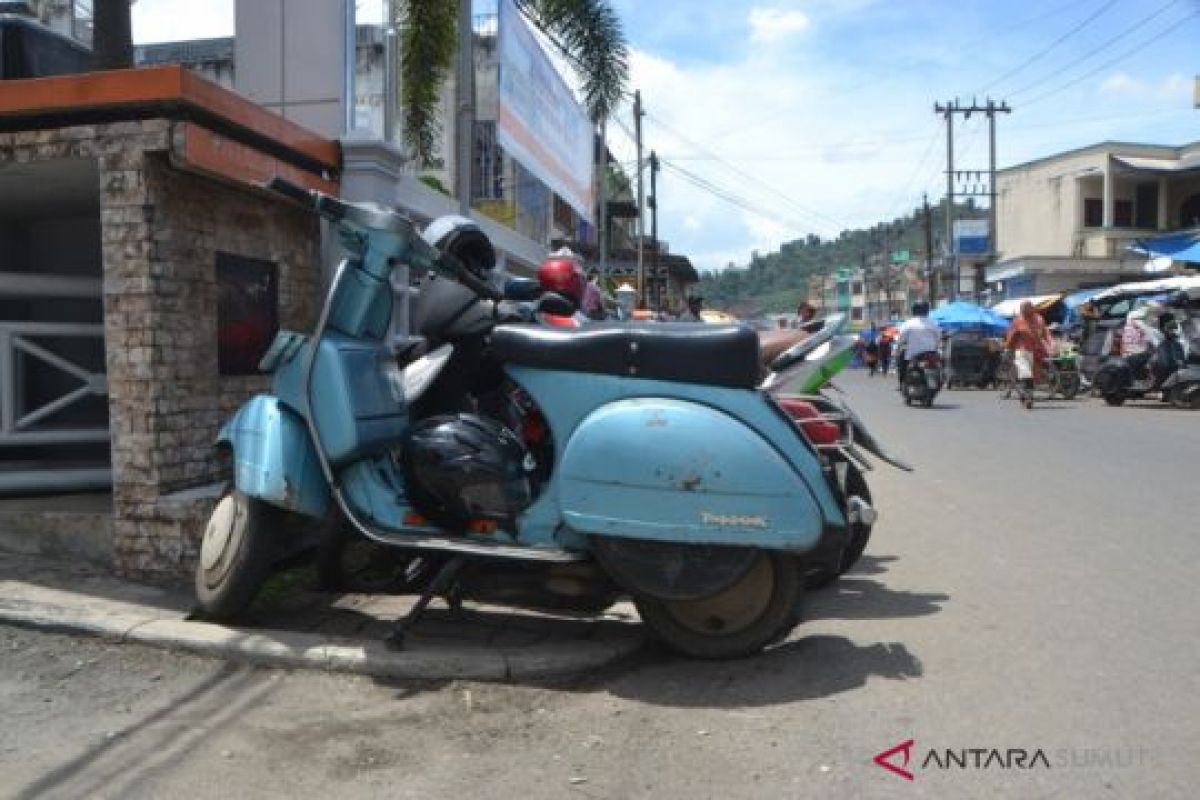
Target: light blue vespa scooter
673,479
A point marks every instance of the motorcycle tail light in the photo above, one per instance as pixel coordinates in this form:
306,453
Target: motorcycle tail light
819,430
557,321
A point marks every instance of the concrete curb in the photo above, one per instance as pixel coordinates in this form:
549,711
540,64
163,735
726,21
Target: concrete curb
32,606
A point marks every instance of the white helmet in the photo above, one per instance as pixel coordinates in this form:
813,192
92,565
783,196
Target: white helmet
465,240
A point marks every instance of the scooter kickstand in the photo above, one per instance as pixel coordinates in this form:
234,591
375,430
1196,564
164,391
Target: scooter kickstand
440,583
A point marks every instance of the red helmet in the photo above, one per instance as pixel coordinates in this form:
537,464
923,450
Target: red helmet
563,275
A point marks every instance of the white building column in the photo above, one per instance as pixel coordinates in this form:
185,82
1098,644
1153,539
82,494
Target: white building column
1163,208
1109,193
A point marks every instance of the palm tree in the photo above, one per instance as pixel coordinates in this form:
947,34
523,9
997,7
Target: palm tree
586,32
112,34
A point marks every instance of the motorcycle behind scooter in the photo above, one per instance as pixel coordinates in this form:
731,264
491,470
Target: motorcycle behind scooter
923,379
797,379
666,474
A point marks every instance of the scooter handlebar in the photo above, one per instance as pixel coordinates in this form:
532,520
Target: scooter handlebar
320,202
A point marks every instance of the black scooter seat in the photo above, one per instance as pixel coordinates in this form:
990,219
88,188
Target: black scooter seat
717,355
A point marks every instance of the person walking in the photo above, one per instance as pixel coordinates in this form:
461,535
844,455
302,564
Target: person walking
1029,341
885,354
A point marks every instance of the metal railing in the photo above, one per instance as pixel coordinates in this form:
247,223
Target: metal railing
20,425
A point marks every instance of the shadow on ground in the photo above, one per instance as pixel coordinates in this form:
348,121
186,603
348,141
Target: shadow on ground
805,667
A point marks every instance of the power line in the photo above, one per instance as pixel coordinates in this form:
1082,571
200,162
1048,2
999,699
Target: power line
838,224
1050,47
1097,50
1167,31
900,198
730,197
904,68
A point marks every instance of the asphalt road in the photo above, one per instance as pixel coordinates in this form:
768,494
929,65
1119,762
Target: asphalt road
1030,588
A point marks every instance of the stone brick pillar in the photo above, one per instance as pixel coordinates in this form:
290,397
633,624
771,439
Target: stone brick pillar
162,231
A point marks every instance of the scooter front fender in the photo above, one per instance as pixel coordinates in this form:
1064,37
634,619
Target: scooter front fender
273,457
673,470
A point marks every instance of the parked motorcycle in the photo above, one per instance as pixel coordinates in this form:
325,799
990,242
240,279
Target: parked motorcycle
923,379
663,473
797,379
1165,370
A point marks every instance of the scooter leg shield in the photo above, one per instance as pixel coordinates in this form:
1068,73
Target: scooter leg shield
273,456
678,471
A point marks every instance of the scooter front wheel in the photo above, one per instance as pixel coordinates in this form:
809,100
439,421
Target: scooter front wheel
236,555
756,610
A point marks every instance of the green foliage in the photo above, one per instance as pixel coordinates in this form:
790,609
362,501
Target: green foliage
588,33
433,183
428,42
777,281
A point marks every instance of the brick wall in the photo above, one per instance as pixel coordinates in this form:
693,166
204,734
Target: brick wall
161,230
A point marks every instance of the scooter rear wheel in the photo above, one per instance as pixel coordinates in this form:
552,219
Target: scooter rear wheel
756,610
236,555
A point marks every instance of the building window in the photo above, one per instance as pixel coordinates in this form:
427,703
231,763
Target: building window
1189,212
1147,205
247,312
856,287
1123,214
856,314
564,216
1093,212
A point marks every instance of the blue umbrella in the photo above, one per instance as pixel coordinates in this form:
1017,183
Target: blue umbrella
964,316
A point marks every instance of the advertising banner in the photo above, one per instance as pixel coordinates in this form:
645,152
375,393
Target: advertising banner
971,236
539,123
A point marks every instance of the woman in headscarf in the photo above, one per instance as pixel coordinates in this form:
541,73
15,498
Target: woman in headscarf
1029,341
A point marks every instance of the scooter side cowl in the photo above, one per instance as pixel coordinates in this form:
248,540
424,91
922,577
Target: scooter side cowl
674,470
273,457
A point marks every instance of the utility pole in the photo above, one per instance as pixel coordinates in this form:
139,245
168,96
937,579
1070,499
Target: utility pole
602,191
641,199
465,98
948,111
391,82
654,266
930,277
992,110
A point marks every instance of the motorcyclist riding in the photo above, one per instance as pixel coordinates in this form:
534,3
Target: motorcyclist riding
919,334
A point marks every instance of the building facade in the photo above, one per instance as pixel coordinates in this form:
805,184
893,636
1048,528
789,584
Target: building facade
1067,221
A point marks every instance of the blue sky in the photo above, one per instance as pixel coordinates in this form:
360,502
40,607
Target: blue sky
817,114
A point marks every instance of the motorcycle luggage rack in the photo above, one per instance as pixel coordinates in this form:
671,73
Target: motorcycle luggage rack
827,412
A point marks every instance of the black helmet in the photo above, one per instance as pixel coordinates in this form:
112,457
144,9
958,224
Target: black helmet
462,467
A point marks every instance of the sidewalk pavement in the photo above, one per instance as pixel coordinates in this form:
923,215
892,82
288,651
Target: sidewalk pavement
309,630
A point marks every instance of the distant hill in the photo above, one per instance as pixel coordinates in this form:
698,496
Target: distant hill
775,282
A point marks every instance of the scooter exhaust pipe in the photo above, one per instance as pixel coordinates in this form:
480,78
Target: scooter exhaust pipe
860,512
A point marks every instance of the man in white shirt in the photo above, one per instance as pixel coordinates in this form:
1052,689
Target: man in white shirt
919,334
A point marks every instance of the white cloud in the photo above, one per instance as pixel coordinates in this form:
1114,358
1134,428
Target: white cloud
1175,86
789,146
772,24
